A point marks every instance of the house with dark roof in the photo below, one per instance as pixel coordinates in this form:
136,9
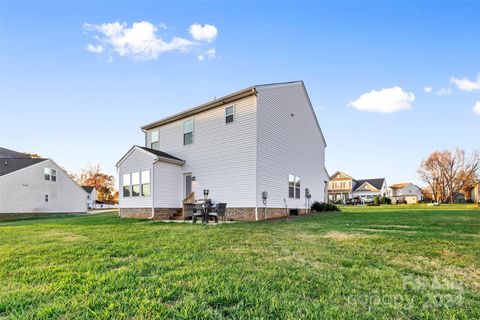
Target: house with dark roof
93,202
92,196
405,192
343,187
259,150
32,186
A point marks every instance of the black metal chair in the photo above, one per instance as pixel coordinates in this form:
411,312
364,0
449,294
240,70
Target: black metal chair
221,211
188,211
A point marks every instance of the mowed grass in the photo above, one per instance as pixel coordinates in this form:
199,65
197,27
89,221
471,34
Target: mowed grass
367,263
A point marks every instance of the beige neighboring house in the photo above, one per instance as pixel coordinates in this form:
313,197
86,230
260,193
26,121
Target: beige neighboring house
32,186
405,192
475,193
343,187
262,141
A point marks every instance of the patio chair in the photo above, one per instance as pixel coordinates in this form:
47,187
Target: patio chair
190,212
221,211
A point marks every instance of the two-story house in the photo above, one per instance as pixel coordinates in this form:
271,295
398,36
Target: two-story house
264,140
406,192
36,186
342,187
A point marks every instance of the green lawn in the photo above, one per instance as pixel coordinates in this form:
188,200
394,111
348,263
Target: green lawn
386,262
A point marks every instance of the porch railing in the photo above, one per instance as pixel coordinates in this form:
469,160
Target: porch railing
190,198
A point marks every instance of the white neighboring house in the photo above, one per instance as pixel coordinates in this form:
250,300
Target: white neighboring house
36,185
406,192
265,138
93,202
92,196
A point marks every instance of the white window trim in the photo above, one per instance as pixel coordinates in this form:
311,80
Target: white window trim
140,195
192,132
294,186
233,114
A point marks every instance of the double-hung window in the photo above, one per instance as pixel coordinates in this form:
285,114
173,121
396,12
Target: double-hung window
293,186
126,185
47,172
50,174
229,114
135,184
187,132
145,175
154,140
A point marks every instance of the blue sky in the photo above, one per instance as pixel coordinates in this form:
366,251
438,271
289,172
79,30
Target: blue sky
63,101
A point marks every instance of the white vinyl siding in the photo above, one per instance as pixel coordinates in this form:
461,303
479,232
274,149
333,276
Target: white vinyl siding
24,191
136,162
288,145
168,185
221,157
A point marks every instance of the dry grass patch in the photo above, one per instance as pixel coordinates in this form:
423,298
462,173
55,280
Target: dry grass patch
344,236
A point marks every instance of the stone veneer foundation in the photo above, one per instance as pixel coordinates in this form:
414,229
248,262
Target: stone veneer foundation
146,213
238,214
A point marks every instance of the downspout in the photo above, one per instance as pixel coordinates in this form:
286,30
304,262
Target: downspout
152,187
145,134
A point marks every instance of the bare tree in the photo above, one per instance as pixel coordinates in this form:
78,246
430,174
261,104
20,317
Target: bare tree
446,172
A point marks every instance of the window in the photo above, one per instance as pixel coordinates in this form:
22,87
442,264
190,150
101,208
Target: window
135,184
187,132
293,186
145,183
50,174
154,140
46,198
47,173
126,185
229,113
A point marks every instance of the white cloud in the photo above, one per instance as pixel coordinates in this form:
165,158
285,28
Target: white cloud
206,33
384,101
465,84
138,42
210,54
444,92
427,89
94,49
476,108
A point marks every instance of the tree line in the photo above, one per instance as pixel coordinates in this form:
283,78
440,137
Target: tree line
447,173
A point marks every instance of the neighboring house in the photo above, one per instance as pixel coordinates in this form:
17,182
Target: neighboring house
29,186
459,197
265,138
342,187
405,192
475,193
94,203
92,196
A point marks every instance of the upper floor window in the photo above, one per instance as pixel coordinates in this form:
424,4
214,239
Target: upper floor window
188,132
50,174
46,198
154,140
145,176
135,184
229,114
293,186
126,185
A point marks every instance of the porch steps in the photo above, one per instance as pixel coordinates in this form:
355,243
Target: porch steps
178,215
